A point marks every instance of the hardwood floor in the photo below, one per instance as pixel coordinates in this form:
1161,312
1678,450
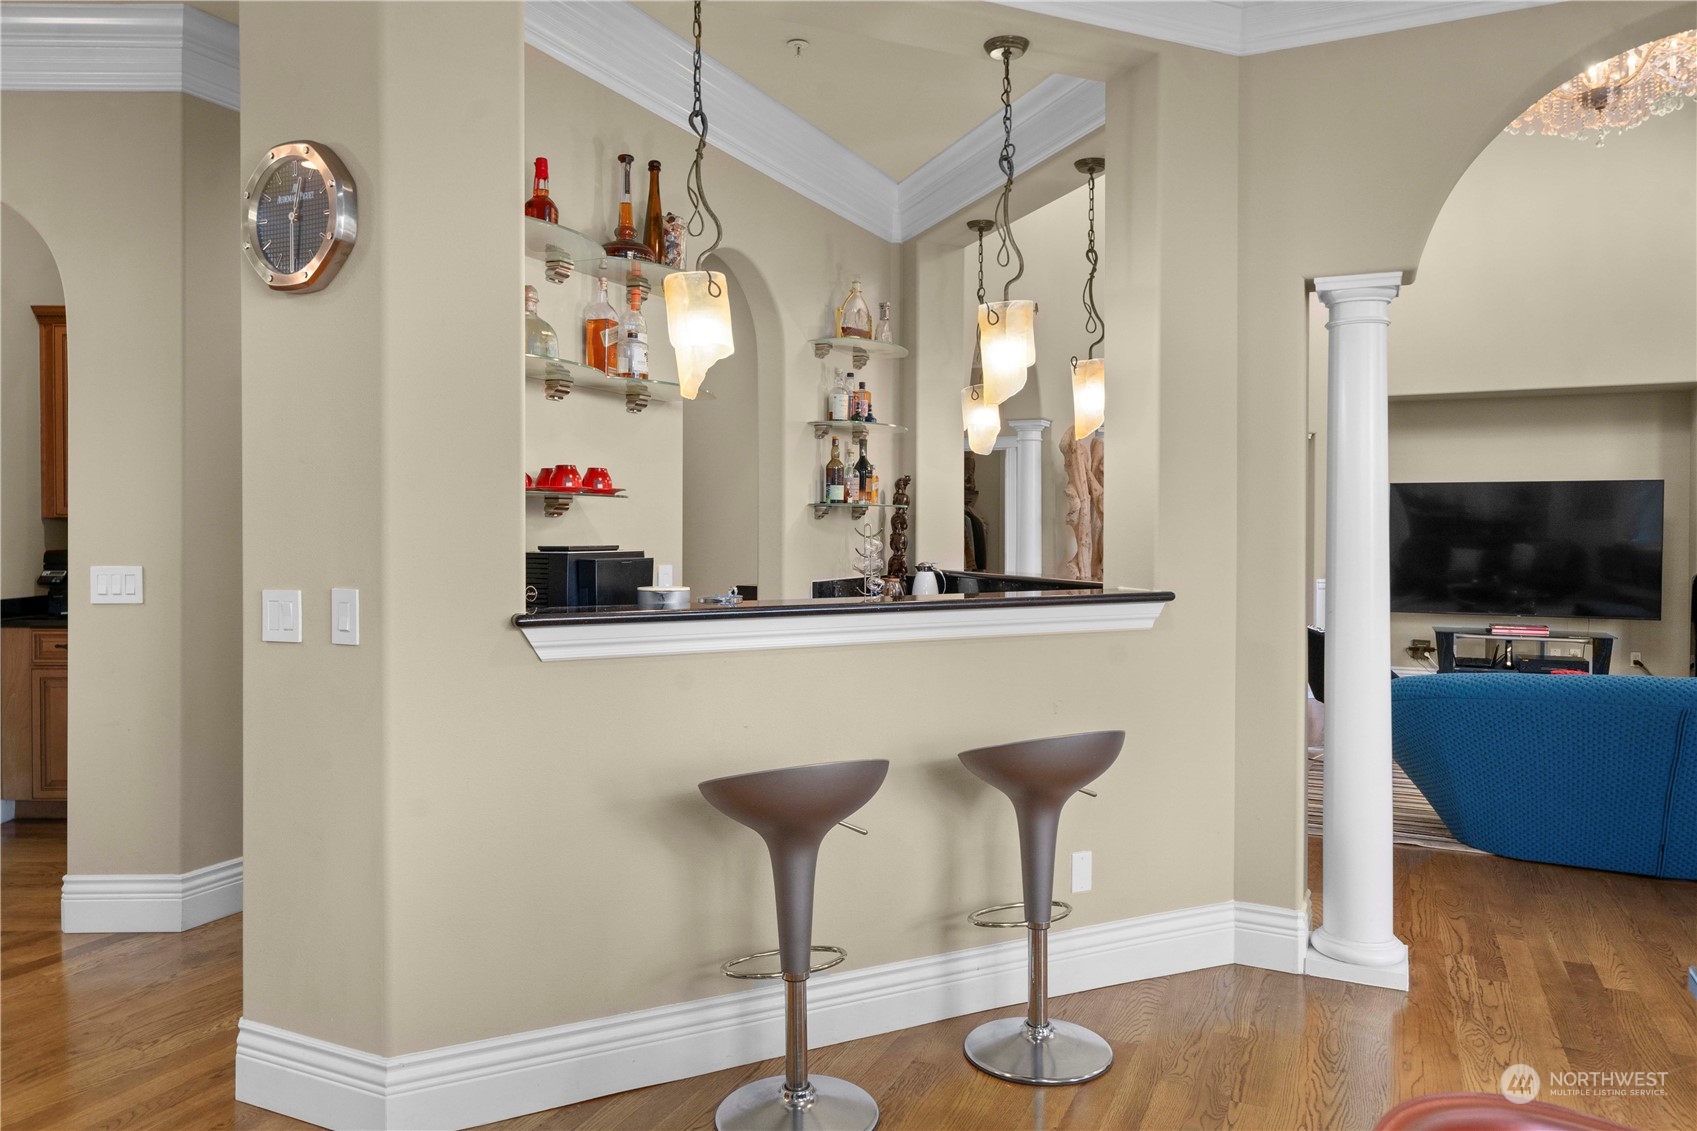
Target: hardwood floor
1558,968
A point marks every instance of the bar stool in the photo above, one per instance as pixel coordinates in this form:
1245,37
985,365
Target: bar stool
1039,776
792,809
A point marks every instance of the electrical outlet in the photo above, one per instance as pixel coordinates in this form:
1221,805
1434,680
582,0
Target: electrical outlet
1420,649
1082,866
1637,658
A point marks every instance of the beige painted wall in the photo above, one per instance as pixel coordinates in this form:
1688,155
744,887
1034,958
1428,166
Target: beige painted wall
154,717
1602,436
781,246
1352,182
1052,238
28,277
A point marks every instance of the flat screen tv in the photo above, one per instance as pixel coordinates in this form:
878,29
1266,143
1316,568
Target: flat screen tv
1591,548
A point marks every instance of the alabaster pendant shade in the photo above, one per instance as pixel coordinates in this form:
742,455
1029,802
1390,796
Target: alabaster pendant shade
981,419
1007,341
699,324
1089,396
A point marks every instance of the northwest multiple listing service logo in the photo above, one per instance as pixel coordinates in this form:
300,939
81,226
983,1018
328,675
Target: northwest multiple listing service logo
1521,1083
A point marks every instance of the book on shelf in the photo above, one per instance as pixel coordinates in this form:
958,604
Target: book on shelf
1518,629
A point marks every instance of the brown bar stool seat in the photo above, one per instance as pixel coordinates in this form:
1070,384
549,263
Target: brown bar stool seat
792,809
1039,776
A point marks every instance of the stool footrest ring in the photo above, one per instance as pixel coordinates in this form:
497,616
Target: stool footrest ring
729,969
977,918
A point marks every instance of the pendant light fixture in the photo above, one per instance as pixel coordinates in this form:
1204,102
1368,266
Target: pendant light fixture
1007,336
698,310
978,415
1089,392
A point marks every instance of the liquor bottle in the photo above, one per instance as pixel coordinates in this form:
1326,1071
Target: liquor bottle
861,409
884,333
654,231
854,317
540,205
836,476
539,337
863,475
624,243
837,407
598,352
633,348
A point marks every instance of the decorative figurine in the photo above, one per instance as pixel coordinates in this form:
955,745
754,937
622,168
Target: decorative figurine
897,566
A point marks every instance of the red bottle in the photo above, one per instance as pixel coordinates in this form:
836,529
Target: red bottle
539,205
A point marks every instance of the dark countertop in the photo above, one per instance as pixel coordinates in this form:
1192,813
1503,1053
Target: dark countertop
41,621
840,605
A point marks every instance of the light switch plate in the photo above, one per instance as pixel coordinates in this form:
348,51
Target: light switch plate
1082,867
344,616
114,585
281,613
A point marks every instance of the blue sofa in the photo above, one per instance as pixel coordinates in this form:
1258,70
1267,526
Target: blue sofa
1594,771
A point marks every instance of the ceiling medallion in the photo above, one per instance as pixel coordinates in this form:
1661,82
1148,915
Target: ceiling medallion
1617,94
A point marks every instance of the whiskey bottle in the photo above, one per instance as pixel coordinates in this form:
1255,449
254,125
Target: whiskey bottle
864,477
539,337
633,347
598,320
860,407
624,244
654,231
540,205
836,476
854,317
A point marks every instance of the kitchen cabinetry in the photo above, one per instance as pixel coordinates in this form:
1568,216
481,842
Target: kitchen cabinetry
50,321
34,758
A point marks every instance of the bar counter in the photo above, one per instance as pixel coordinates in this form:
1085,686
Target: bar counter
605,632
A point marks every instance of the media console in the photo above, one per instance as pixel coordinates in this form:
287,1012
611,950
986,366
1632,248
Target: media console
1520,653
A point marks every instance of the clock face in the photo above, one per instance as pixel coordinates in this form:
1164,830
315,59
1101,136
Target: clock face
301,217
293,214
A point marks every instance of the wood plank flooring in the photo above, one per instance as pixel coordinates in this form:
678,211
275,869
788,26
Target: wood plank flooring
1558,968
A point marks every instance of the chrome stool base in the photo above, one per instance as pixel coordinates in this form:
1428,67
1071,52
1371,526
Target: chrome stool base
1066,1054
836,1105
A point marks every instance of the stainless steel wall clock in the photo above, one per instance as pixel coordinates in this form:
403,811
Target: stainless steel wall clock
301,217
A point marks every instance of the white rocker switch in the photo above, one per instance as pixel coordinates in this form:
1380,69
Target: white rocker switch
281,610
114,585
344,616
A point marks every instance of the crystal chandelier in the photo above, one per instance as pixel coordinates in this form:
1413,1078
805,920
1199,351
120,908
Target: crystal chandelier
698,312
1617,94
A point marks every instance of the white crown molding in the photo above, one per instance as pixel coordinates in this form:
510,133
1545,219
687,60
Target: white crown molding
471,1084
618,638
91,904
119,47
634,55
1049,117
1260,26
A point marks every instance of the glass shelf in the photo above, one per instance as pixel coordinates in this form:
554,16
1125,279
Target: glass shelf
863,349
556,503
564,252
858,428
562,378
820,510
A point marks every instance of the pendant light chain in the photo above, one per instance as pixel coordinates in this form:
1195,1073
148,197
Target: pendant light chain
1004,221
981,267
1093,323
697,192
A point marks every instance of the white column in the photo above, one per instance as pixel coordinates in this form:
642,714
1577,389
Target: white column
1355,942
1026,489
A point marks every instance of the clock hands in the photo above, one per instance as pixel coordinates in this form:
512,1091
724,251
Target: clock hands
295,229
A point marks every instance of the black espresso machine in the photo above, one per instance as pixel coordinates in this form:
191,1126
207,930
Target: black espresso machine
53,578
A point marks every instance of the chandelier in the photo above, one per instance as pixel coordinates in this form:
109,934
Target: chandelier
1617,94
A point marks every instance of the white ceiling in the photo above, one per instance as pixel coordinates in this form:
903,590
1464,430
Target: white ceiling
889,118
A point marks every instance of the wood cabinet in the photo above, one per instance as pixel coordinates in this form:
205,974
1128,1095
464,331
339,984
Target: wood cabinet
50,321
34,754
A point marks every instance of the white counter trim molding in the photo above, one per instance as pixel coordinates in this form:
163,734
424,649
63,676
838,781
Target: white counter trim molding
691,635
1356,941
470,1084
90,904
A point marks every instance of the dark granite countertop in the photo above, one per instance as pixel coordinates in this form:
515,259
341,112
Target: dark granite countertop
28,612
41,621
604,614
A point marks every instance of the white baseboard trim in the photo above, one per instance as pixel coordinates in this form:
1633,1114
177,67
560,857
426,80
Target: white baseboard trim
470,1084
1318,965
91,904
